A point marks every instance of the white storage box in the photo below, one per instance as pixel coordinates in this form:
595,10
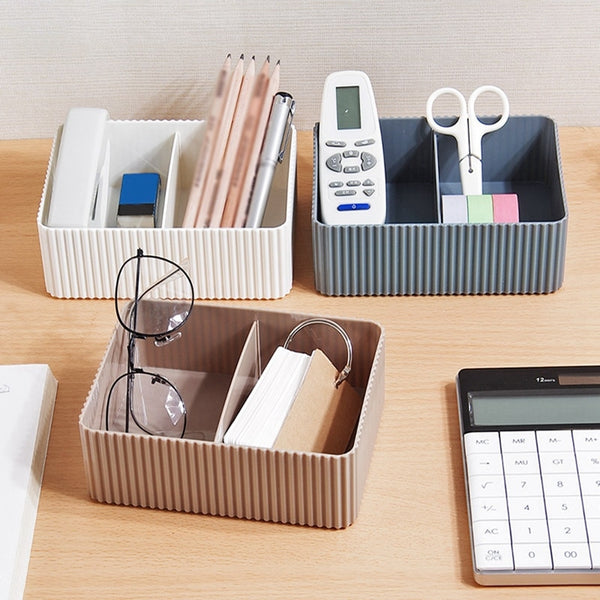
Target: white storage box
224,263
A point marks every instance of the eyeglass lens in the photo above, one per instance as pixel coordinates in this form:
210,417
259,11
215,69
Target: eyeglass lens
156,407
151,278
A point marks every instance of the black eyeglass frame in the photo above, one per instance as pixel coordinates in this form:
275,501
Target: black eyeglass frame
160,338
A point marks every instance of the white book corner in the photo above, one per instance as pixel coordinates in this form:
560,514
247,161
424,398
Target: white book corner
27,395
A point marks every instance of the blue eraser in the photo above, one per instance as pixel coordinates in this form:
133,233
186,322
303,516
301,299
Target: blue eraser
139,194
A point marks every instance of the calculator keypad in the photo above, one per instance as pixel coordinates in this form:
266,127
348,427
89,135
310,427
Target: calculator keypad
534,499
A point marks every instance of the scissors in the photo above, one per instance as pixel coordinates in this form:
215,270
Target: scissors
468,131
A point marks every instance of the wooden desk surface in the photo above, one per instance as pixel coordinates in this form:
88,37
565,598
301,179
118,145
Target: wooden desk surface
411,536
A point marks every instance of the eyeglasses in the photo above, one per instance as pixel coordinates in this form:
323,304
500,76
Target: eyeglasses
141,400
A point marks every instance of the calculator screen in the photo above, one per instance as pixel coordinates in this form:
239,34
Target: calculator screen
527,408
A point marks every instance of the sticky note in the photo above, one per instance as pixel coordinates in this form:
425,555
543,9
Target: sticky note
454,209
506,208
480,208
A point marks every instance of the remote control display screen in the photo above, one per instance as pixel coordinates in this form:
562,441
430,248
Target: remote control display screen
348,107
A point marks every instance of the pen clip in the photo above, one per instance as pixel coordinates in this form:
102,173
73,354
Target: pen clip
286,135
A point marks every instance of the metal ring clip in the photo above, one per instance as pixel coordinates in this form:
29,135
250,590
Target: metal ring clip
321,321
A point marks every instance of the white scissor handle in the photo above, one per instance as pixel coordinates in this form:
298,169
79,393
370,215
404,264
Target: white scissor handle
477,128
454,129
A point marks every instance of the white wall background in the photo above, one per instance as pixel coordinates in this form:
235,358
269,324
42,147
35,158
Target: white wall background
158,60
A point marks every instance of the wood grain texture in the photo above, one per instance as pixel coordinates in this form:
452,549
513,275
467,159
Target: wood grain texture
410,539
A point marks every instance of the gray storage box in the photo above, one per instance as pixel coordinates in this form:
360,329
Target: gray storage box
415,253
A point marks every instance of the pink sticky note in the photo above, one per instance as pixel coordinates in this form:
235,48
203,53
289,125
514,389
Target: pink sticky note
506,208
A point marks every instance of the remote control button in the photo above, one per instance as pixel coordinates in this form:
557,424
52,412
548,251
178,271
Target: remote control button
335,144
345,193
350,153
352,169
353,183
366,142
369,191
334,162
353,207
368,161
368,182
336,184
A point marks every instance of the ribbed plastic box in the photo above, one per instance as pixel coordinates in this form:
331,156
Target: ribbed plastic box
222,262
414,252
213,360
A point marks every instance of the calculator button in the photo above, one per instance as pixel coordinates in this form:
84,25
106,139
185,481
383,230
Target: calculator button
494,557
561,484
571,556
568,507
592,507
586,439
588,462
595,553
567,530
484,464
487,509
518,441
491,532
481,442
523,485
524,462
526,508
534,531
590,484
593,529
555,441
532,556
558,462
486,486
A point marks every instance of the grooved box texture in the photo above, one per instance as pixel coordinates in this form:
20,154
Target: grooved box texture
209,477
223,263
415,253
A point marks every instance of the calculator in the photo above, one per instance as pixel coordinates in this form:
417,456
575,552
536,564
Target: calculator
531,454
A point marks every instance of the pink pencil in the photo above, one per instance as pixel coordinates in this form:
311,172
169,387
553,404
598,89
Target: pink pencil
211,125
228,164
243,154
220,142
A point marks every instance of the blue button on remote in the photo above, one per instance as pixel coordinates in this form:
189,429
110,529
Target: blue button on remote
354,206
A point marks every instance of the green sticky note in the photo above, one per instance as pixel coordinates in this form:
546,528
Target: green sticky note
480,208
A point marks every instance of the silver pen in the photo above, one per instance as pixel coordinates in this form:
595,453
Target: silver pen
280,119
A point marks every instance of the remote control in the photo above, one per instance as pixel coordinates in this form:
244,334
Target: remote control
351,166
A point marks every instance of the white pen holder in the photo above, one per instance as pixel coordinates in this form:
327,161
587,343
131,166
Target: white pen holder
81,260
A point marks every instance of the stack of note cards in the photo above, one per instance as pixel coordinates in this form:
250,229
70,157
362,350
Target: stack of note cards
296,405
262,415
27,394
